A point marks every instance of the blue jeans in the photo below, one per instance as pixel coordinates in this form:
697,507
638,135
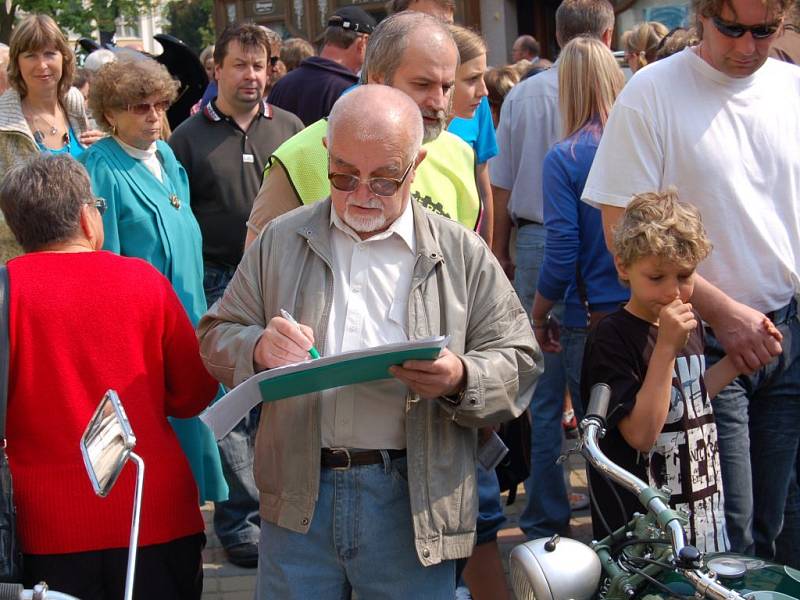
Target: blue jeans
573,341
490,507
361,540
786,546
547,511
758,427
236,520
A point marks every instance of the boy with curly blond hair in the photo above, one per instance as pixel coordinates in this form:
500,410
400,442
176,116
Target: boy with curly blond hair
650,352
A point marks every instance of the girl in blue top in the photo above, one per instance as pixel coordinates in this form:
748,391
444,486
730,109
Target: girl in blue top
577,265
471,116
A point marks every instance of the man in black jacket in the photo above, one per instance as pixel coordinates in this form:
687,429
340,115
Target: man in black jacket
311,89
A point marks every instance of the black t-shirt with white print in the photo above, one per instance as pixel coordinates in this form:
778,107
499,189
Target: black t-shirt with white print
685,456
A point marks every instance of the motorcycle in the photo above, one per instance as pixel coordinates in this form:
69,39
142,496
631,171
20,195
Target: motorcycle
106,445
648,558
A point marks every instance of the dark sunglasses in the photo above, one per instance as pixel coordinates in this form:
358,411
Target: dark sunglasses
380,186
143,108
99,203
737,30
273,60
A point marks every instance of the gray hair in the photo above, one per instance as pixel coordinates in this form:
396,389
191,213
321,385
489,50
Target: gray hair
98,58
42,198
398,115
391,37
583,17
396,6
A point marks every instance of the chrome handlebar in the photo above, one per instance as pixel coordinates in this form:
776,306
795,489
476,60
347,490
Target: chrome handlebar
592,429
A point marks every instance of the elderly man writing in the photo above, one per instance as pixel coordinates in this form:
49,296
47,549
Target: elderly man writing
361,268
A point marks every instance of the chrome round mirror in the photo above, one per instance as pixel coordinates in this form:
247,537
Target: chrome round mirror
107,443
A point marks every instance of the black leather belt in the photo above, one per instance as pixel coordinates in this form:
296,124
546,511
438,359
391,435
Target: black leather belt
343,458
523,222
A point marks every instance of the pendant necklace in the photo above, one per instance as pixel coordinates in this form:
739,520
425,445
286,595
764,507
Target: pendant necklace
52,130
38,134
170,189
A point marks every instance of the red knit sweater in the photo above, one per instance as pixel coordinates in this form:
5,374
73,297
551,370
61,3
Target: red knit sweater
82,323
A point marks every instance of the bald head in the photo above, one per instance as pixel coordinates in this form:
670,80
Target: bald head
393,118
386,50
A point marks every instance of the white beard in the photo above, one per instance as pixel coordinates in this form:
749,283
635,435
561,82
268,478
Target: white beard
365,224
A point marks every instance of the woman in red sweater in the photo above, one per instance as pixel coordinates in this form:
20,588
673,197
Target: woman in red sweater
83,321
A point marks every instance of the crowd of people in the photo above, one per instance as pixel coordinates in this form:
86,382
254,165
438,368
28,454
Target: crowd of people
562,226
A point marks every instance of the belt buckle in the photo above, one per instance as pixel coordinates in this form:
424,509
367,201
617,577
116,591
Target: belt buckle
346,452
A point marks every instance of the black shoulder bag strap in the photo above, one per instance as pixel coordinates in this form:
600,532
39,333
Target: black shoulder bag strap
10,555
4,350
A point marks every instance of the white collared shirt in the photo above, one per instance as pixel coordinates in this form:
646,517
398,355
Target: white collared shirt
372,282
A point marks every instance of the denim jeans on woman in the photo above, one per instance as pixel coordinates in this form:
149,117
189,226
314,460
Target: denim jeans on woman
236,520
547,510
758,427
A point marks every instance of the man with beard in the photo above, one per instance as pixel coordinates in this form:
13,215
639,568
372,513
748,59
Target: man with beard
369,489
224,149
414,53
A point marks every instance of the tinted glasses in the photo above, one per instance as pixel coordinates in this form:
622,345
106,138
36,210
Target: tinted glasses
143,108
736,30
380,186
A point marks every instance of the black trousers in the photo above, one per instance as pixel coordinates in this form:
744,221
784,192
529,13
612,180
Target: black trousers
170,571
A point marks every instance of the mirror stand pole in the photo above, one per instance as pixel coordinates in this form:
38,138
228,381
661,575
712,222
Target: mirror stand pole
137,507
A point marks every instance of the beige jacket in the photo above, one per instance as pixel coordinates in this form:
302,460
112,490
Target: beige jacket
457,289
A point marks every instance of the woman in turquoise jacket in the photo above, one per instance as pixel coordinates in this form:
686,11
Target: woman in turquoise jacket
149,216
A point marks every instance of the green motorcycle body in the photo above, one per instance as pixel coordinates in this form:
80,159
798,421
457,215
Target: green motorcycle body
761,580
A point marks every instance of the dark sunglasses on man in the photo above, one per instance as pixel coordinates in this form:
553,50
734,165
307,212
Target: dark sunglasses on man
737,30
380,186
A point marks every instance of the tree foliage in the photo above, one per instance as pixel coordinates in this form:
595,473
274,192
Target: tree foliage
191,22
78,16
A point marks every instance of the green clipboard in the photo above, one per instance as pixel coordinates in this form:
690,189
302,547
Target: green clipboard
347,368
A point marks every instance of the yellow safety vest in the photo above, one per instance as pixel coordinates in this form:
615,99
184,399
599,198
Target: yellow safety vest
444,181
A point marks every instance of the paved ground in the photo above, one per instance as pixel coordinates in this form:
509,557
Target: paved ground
224,581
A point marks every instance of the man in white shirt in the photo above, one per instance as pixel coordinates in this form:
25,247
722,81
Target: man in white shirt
721,122
530,122
371,488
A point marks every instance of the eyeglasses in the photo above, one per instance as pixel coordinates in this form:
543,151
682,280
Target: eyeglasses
380,186
273,60
144,108
737,30
99,203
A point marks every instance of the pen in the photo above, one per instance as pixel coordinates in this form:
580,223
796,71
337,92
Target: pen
311,351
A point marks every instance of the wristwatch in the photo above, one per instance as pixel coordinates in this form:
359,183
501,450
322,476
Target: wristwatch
542,323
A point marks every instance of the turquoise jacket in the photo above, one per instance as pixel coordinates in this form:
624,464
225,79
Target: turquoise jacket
151,220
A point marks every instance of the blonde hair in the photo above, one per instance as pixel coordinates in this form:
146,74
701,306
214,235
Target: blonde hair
128,81
642,42
589,80
294,51
37,32
208,52
470,44
657,224
499,81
